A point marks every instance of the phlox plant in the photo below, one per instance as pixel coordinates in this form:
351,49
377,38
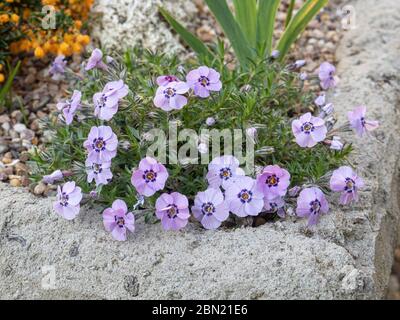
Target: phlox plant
100,142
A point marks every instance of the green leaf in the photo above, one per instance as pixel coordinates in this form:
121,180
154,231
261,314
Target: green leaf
7,86
298,24
265,25
195,43
232,30
289,13
246,16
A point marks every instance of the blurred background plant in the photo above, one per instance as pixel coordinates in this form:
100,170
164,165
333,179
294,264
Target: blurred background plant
250,27
22,34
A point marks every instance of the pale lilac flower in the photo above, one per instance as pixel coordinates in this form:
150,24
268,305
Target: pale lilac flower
171,96
327,76
99,172
173,210
252,132
126,145
303,76
150,177
293,192
101,144
275,54
345,180
68,200
53,177
275,205
300,63
93,194
359,123
297,65
203,80
309,130
223,171
106,102
210,208
244,198
163,81
96,61
321,100
69,107
110,60
336,144
273,181
311,203
328,109
58,65
117,220
210,121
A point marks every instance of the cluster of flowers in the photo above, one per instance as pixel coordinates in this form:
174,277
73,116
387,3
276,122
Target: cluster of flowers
22,32
229,189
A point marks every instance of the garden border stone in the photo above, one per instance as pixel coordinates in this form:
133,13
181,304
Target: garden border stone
347,256
126,24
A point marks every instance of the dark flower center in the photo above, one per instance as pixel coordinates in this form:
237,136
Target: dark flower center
204,81
103,100
169,92
272,181
120,221
67,104
307,127
350,185
363,121
245,196
64,199
149,176
315,206
273,206
172,211
208,208
170,78
97,168
99,144
225,173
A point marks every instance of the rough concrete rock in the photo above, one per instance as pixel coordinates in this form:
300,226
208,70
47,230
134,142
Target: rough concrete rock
128,23
347,256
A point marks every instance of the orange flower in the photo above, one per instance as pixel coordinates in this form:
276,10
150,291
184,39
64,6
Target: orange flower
15,18
2,78
78,24
39,52
65,49
4,18
83,39
77,48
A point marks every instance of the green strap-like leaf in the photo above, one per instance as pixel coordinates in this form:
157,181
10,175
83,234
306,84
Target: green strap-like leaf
195,43
289,13
246,16
7,86
265,25
232,30
298,24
